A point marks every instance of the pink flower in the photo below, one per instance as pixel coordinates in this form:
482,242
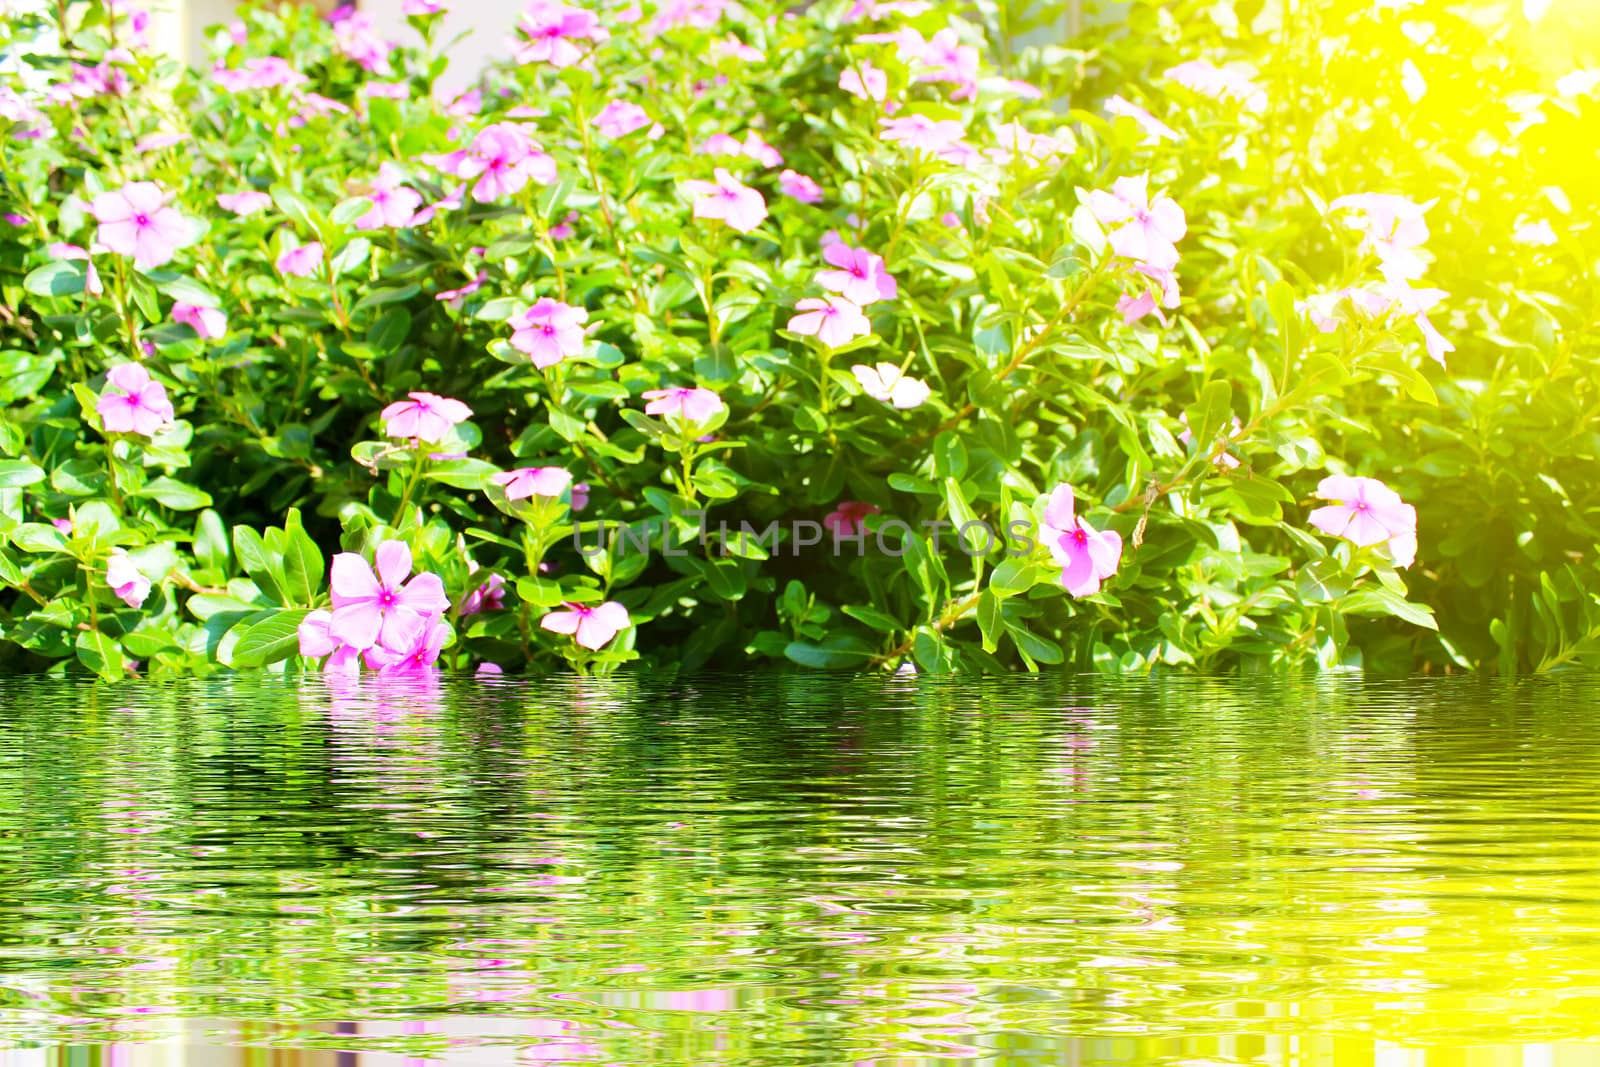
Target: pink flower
157,141
689,404
550,28
1229,83
1087,556
453,297
833,320
420,8
268,72
799,187
132,403
420,653
208,322
316,641
888,383
425,417
949,60
865,80
501,159
64,526
91,277
860,276
393,205
1154,128
490,596
525,482
1146,231
564,229
243,204
1013,139
580,496
722,144
356,36
549,331
618,119
922,134
759,150
593,627
1392,228
382,608
302,261
135,221
846,520
1366,512
124,579
730,46
728,199
386,91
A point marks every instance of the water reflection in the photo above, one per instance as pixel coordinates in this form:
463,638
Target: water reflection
793,870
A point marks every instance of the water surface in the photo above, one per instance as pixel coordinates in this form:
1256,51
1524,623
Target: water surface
797,870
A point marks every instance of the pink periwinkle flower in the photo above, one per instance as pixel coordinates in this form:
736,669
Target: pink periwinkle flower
1232,82
157,141
244,204
728,199
833,320
799,187
1087,556
383,608
847,519
700,14
1147,231
316,639
565,228
733,48
91,278
488,668
592,627
132,403
525,482
549,331
501,159
136,221
722,144
580,496
301,261
1366,512
948,60
891,385
1014,139
1392,228
420,8
922,134
689,404
393,205
490,596
420,653
551,30
859,276
425,417
124,579
209,322
620,118
454,297
356,36
756,148
267,72
865,80
1154,129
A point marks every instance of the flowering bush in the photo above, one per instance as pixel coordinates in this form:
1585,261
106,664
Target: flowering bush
851,337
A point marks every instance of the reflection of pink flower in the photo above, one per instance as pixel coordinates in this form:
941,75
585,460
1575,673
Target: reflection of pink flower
136,221
124,579
799,187
549,331
1366,512
1087,556
208,322
847,519
592,627
525,482
132,403
690,404
833,320
728,199
425,417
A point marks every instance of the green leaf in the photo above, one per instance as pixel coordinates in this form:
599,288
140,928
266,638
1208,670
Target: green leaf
211,541
880,621
1013,577
175,494
840,652
269,640
60,278
1208,415
102,655
258,563
1376,600
989,621
17,473
540,592
302,562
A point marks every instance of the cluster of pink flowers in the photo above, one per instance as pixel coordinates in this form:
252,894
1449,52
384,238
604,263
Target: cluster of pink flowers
550,32
856,278
268,72
1392,229
728,200
425,417
381,619
355,34
549,331
136,221
1366,512
940,58
1087,556
133,403
1145,231
501,159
